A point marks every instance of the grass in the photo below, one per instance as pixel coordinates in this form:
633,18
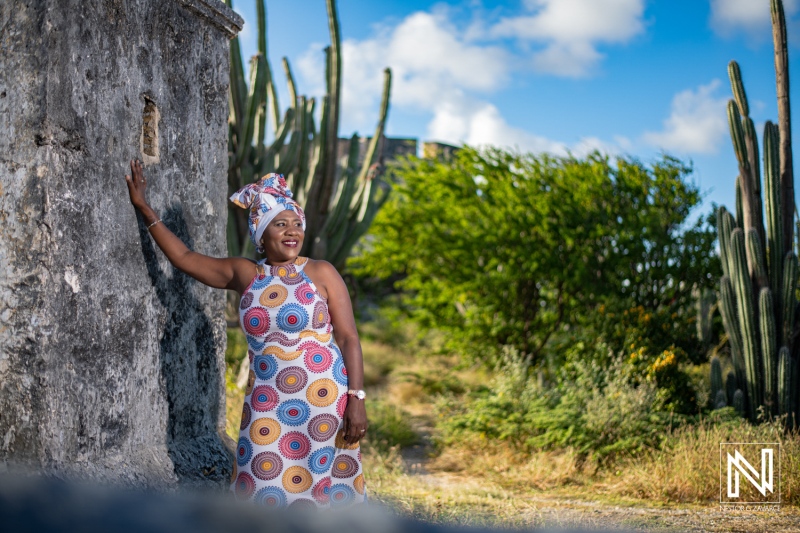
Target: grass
480,481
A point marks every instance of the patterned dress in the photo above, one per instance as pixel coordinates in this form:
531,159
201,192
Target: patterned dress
291,449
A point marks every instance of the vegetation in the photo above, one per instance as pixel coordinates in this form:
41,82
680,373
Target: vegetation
758,291
339,201
538,253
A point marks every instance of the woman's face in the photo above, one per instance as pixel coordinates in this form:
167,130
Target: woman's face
283,237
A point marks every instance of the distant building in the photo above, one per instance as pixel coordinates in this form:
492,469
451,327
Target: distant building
393,148
436,150
396,147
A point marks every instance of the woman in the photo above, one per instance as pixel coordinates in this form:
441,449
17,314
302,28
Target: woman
303,412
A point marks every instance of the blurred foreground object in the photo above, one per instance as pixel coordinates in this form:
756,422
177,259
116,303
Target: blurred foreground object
42,505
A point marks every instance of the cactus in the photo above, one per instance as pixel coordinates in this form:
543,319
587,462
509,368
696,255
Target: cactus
339,202
720,400
738,401
768,350
784,381
730,385
758,298
716,376
705,303
747,324
729,318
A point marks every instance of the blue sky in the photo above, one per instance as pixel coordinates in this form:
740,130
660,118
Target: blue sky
637,77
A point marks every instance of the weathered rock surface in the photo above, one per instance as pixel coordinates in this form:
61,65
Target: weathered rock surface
111,361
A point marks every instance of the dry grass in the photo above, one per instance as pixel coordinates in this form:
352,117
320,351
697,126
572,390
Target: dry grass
687,470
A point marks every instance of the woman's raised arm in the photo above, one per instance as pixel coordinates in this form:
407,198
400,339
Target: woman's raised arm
233,273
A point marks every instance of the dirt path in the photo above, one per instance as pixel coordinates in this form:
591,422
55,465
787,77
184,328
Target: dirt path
540,510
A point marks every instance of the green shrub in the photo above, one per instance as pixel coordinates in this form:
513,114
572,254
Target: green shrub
598,411
500,248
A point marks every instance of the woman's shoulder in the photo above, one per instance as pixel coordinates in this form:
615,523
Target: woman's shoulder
321,266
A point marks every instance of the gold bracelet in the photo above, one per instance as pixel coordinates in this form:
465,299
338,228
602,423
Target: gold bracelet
153,224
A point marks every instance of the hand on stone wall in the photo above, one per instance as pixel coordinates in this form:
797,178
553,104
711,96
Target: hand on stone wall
137,186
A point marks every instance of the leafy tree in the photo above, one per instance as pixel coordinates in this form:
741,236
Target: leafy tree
500,248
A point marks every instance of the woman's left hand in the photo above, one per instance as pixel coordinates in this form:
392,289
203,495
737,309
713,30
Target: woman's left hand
355,420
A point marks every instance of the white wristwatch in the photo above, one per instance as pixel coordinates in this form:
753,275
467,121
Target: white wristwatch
360,394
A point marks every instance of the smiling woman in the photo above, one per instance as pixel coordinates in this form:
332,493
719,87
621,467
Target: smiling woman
303,412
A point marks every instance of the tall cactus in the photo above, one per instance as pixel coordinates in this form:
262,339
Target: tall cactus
340,200
758,289
716,377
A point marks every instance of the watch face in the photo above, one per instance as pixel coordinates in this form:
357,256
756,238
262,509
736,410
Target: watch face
361,395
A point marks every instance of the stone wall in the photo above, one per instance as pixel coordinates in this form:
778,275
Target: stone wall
111,361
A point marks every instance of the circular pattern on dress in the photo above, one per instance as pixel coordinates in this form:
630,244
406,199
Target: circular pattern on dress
255,344
321,317
319,461
244,451
304,294
294,445
339,371
247,413
261,281
251,380
341,494
265,366
321,491
273,296
341,405
291,379
267,465
358,483
344,466
323,427
247,299
271,497
322,392
264,398
282,270
318,358
293,412
256,321
292,278
245,485
265,431
292,318
336,351
296,479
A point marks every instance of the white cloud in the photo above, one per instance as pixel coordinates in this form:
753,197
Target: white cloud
697,122
749,15
438,71
571,31
429,60
463,119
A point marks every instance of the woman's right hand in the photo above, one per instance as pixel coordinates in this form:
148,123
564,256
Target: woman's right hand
137,185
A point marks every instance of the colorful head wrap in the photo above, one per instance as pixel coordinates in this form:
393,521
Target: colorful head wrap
266,198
